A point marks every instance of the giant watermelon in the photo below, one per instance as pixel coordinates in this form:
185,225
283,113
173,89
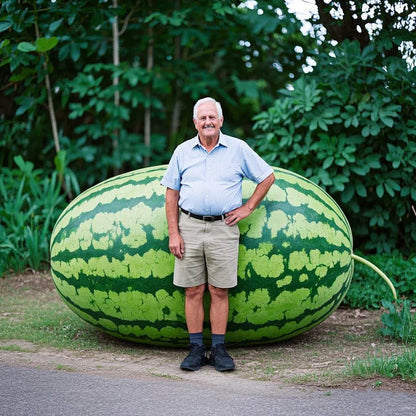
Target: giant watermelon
111,263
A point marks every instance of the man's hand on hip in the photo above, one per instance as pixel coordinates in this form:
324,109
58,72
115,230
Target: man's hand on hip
238,214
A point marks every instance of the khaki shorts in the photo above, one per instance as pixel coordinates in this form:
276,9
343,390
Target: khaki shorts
211,253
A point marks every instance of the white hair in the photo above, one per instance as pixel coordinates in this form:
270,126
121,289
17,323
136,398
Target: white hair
207,100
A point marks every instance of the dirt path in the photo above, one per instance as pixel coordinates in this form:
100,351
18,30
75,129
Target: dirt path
314,359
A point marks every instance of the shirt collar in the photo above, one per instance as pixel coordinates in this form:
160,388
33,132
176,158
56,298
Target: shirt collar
221,142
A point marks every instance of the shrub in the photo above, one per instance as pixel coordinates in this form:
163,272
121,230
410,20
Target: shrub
399,324
350,126
30,204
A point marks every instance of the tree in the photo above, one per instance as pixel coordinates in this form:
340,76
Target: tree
168,55
390,23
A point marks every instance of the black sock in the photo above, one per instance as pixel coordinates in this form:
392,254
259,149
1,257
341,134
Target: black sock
217,339
196,338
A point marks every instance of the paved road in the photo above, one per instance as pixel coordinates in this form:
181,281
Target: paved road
34,392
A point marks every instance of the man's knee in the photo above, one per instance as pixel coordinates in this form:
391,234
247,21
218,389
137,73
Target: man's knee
218,292
195,292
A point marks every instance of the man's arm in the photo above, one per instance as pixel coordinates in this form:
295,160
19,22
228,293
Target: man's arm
233,217
176,245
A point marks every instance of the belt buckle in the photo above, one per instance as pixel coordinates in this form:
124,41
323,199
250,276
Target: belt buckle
208,217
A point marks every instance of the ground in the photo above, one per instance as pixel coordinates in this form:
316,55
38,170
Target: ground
316,358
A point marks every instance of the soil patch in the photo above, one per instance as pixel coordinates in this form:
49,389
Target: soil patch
316,358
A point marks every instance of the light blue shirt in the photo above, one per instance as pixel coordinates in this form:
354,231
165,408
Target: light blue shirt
211,183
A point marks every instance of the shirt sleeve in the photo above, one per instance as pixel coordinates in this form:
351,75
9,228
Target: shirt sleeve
254,167
172,178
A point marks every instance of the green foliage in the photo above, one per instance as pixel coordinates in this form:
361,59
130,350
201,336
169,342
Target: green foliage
30,205
170,55
399,324
367,289
94,94
350,126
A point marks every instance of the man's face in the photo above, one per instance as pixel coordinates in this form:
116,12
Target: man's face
207,121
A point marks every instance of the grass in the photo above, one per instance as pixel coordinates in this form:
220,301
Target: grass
44,322
63,367
401,365
49,322
164,375
13,347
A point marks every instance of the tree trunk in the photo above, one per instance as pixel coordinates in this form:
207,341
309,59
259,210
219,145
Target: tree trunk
52,113
51,107
116,63
148,94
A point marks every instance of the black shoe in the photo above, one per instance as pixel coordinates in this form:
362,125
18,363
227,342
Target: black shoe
220,359
195,359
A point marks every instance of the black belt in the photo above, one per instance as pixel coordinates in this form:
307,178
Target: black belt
203,217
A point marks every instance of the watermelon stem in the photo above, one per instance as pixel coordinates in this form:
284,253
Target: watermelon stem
378,271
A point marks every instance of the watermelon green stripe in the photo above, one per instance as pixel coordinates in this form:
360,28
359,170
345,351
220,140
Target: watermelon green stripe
280,217
88,201
161,318
138,330
146,284
106,207
307,187
151,283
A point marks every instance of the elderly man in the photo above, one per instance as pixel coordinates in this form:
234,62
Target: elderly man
203,207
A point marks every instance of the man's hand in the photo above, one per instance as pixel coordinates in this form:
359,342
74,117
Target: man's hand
236,215
176,246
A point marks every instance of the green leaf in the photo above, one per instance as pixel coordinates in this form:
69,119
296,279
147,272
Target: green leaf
249,89
380,190
25,103
339,182
393,184
54,25
373,161
360,170
348,193
373,221
26,47
405,191
60,161
25,167
389,189
23,74
75,51
361,190
5,25
328,162
4,43
100,106
365,131
46,44
387,120
375,129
